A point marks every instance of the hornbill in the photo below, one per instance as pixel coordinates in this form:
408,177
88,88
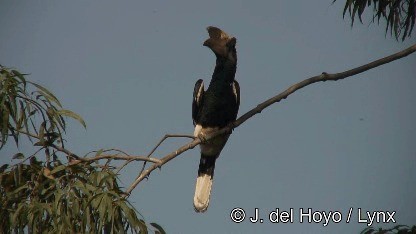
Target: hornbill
213,109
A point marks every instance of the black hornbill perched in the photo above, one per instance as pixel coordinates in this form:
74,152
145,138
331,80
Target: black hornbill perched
213,109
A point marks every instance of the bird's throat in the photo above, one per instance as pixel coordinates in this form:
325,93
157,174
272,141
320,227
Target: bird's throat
225,70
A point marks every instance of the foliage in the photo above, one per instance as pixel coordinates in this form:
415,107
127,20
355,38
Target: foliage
399,229
53,190
57,198
399,14
19,108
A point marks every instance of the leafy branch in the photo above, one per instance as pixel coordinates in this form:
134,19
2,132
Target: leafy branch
398,229
20,108
399,14
73,194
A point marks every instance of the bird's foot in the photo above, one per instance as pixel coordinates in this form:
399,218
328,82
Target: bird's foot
202,138
231,127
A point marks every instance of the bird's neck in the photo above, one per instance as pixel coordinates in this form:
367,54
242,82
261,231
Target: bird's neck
224,70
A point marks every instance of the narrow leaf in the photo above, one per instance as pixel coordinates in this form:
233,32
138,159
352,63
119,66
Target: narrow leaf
158,227
47,94
18,156
57,169
99,152
72,115
47,173
21,77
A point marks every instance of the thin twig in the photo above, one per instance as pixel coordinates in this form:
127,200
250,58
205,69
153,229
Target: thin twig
124,164
259,108
27,133
115,157
108,150
125,156
64,150
31,156
166,136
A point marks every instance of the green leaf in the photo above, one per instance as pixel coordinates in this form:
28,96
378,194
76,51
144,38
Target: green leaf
158,228
72,115
101,211
40,143
3,168
52,136
22,116
45,92
42,130
58,169
33,112
130,214
142,226
5,125
99,152
347,6
19,213
18,156
16,191
20,76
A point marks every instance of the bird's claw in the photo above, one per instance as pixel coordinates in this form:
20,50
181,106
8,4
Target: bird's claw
231,127
202,138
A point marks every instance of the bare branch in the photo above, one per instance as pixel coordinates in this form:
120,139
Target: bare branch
27,133
259,108
167,158
157,146
115,157
64,150
128,158
166,137
107,150
125,164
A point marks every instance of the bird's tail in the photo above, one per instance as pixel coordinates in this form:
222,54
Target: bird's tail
204,183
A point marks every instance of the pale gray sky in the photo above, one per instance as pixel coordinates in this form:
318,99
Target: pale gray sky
129,69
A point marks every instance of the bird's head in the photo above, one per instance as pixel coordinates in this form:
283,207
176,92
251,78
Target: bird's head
221,44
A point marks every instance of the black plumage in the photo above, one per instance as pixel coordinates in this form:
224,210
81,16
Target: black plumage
214,108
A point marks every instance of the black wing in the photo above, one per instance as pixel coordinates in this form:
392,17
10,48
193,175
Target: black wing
197,100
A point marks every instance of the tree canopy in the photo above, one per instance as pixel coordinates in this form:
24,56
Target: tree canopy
50,191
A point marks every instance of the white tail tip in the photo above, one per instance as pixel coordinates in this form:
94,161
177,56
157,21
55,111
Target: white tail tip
202,192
